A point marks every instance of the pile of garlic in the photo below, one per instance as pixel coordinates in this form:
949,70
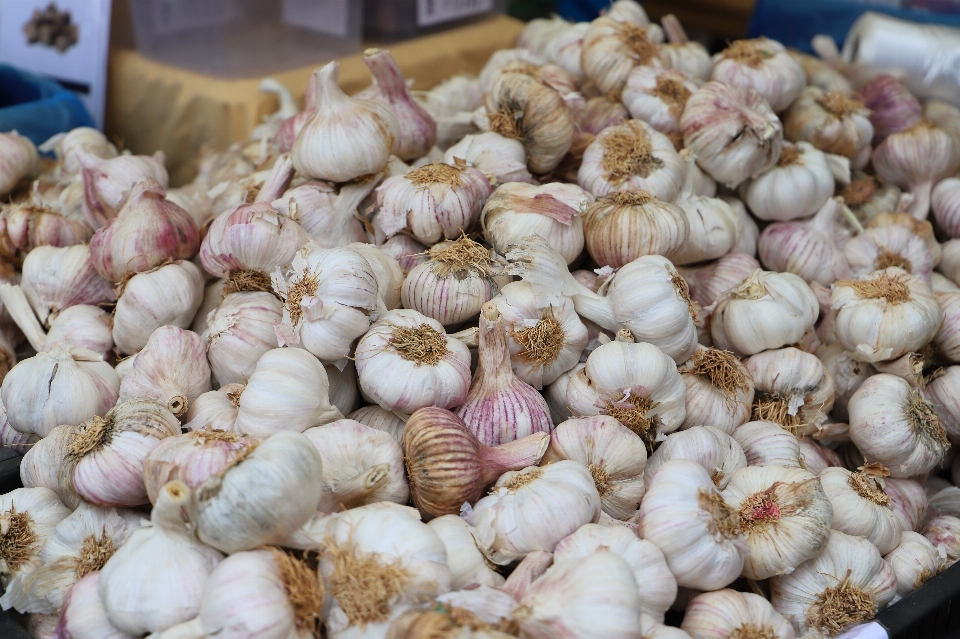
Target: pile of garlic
510,358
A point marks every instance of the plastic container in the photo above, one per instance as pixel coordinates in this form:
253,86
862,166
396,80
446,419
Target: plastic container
391,20
246,38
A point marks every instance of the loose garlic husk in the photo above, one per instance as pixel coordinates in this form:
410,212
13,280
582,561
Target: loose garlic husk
435,202
215,410
552,211
655,583
20,161
501,407
792,388
239,332
728,614
107,183
885,314
688,519
632,156
860,505
879,247
403,560
360,465
133,587
944,532
28,517
803,172
658,96
171,370
707,283
467,564
719,390
493,155
544,343
829,120
82,615
544,504
764,65
733,132
891,423
343,138
288,390
65,385
623,226
945,202
637,384
717,452
612,49
846,584
914,561
381,419
167,295
614,456
766,310
427,367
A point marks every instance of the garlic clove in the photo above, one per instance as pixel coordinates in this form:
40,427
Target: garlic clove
171,369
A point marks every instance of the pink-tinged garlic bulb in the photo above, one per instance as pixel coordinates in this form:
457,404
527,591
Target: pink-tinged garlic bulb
408,252
171,369
108,182
892,107
764,65
501,407
291,126
728,613
343,138
733,132
915,561
193,458
682,54
596,115
381,419
147,231
944,532
20,161
215,410
329,216
82,615
716,451
831,121
816,456
417,130
40,466
879,247
238,332
32,223
658,96
908,501
719,390
801,170
792,388
632,156
612,49
56,278
625,225
945,202
916,158
808,248
500,158
868,196
709,282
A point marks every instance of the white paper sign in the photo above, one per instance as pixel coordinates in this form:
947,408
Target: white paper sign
71,47
871,630
331,17
431,12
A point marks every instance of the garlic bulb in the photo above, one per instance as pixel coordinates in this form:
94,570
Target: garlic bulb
425,366
147,231
20,161
133,587
944,532
891,423
597,114
171,370
215,410
501,407
614,456
860,505
816,456
879,247
67,145
435,202
167,295
343,138
542,505
467,564
381,419
914,562
732,131
29,517
719,390
407,251
945,202
523,108
11,438
829,120
908,501
552,211
82,615
288,390
792,388
632,156
717,452
518,60
868,196
846,584
658,96
847,374
328,216
403,561
239,332
893,108
688,519
107,183
360,465
764,65
709,282
885,314
682,54
500,158
766,310
447,465
65,385
33,223
544,342
264,495
637,384
804,172
622,226
40,466
728,613
85,326
950,262
612,49
941,392
768,444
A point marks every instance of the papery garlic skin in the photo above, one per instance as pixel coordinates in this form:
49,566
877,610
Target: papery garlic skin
829,120
686,517
797,186
717,452
719,390
793,389
493,155
622,227
545,503
891,423
764,65
861,507
171,369
768,444
82,615
20,161
658,96
848,566
467,564
725,613
441,377
239,332
914,562
29,517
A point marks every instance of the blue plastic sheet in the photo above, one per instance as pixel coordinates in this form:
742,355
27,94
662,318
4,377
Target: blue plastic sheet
581,10
36,107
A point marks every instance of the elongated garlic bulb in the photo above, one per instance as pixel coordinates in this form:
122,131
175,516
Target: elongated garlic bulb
768,444
171,369
717,452
728,613
793,389
623,226
719,391
860,505
28,517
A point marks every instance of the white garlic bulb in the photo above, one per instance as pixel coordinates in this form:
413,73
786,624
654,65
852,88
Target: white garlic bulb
803,172
288,390
717,452
846,584
728,613
688,519
942,392
719,390
889,245
793,389
467,564
908,501
83,325
860,505
238,332
82,615
768,444
766,310
28,517
406,361
762,64
387,271
612,49
40,466
914,562
56,278
945,202
946,339
892,423
65,385
328,216
381,419
944,532
658,96
832,121
500,158
709,282
623,226
133,585
20,161
543,505
215,409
